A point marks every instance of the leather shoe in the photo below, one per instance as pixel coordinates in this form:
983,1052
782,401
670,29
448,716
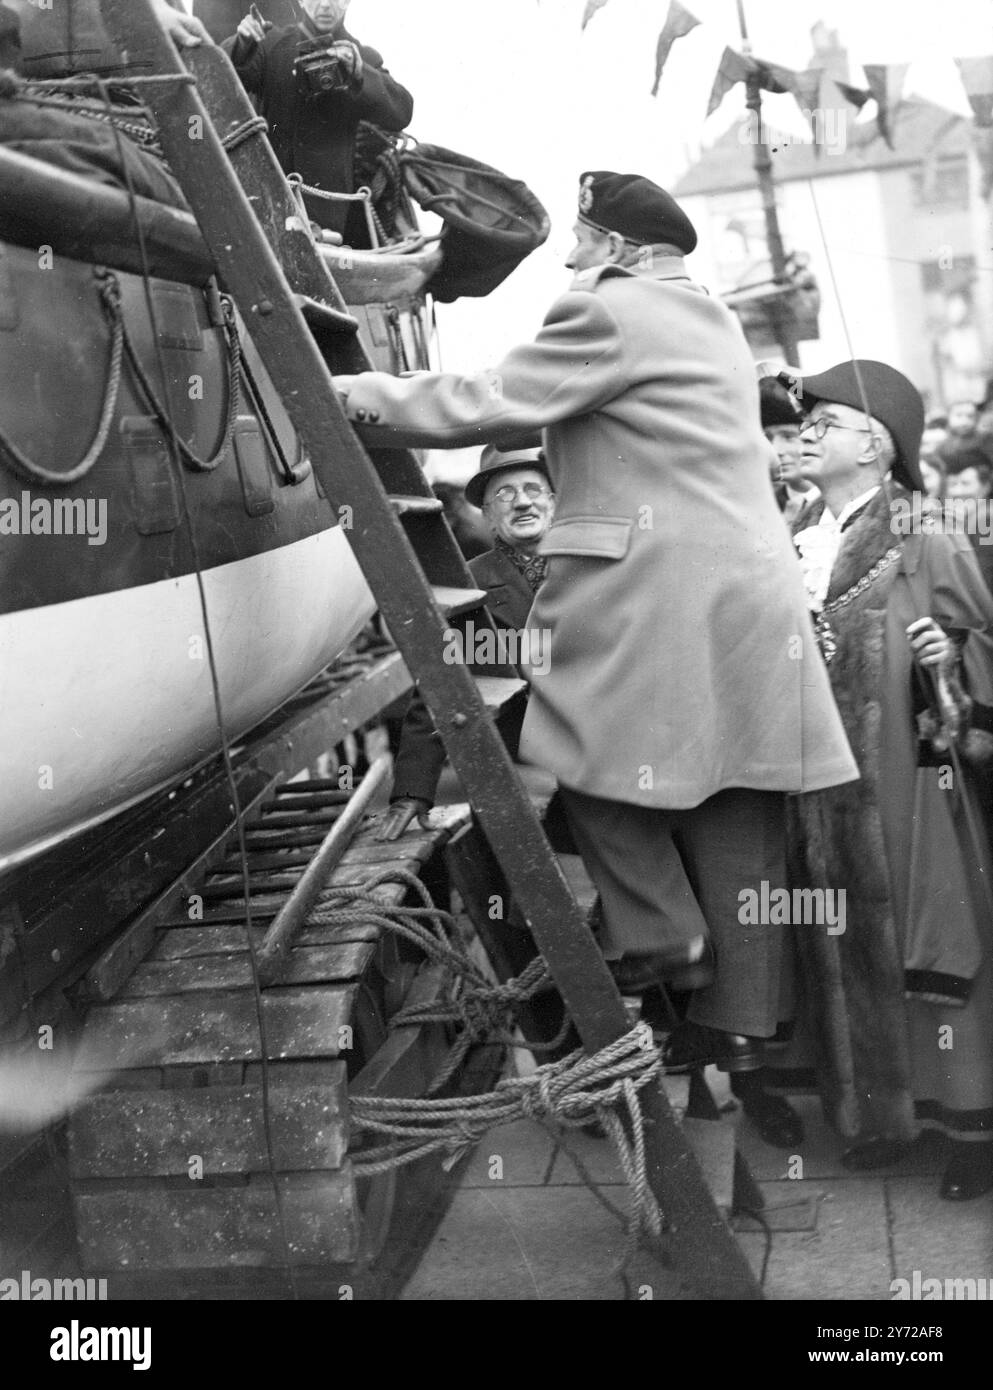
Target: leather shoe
693,1045
875,1153
636,974
969,1172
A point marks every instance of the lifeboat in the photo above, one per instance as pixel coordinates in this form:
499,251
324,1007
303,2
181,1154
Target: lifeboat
156,504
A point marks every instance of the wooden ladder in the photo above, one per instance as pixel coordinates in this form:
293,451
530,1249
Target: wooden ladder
299,324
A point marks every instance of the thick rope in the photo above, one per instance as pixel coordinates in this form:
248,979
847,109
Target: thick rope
32,472
233,358
484,1010
571,1092
256,125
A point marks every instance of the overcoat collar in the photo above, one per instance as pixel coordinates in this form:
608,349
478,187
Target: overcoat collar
658,268
509,597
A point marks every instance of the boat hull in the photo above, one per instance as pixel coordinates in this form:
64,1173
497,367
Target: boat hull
112,694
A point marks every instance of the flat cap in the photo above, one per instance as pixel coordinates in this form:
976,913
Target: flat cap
637,209
893,400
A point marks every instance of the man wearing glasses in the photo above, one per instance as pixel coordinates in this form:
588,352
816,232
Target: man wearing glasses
684,695
903,998
513,491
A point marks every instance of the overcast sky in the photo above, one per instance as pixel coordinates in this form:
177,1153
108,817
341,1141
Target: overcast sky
518,84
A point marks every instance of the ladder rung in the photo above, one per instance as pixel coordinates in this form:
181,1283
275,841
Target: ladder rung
452,602
324,318
417,506
498,691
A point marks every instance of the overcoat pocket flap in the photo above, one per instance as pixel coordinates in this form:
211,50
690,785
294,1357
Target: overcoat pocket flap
601,537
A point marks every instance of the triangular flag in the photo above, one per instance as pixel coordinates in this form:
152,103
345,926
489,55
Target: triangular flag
734,68
977,79
775,78
886,85
807,91
591,8
858,96
678,22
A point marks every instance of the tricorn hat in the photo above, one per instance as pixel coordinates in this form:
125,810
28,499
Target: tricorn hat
777,405
495,461
893,400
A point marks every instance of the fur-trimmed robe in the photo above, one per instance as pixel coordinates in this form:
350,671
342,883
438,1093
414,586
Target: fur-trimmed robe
895,842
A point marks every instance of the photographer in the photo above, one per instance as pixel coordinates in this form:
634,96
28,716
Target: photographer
313,82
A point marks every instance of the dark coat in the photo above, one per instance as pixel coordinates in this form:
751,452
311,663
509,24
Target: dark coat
421,756
314,135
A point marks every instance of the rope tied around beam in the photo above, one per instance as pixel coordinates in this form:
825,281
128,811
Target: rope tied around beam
570,1092
481,1008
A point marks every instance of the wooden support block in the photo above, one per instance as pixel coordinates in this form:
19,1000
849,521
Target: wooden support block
199,1029
160,1228
157,1133
306,966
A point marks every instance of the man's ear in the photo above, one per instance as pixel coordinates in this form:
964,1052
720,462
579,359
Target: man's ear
873,451
618,248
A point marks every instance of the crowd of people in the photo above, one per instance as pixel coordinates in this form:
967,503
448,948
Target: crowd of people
754,690
750,684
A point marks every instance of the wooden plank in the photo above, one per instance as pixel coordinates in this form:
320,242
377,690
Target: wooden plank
123,1134
306,966
212,941
225,1228
108,975
199,1029
407,1062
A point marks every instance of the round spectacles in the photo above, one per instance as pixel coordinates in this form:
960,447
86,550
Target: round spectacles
508,493
821,427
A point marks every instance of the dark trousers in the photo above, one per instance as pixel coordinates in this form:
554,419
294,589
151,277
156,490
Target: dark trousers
666,877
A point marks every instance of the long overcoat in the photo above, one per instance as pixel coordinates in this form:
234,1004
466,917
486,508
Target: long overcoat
899,844
682,660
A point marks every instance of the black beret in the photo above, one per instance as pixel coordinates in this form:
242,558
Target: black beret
893,400
635,208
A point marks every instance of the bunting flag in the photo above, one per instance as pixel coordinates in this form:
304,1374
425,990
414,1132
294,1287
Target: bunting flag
886,85
591,8
977,79
734,68
678,23
858,96
807,91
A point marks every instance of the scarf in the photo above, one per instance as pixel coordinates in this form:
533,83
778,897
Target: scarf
533,567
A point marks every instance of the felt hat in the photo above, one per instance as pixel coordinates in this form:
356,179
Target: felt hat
494,461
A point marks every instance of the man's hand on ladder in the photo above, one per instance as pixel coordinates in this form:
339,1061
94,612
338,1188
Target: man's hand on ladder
400,815
184,30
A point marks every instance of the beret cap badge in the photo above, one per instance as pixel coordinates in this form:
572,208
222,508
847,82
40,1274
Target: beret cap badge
586,195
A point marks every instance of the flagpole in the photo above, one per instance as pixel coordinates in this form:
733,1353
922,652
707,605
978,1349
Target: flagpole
780,312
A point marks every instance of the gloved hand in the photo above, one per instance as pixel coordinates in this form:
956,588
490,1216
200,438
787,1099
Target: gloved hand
400,815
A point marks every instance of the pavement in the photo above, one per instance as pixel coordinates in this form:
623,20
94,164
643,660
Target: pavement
522,1225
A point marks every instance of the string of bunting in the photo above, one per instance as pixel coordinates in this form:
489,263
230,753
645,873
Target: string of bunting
884,81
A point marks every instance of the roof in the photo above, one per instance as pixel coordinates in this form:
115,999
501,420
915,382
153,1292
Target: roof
917,127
